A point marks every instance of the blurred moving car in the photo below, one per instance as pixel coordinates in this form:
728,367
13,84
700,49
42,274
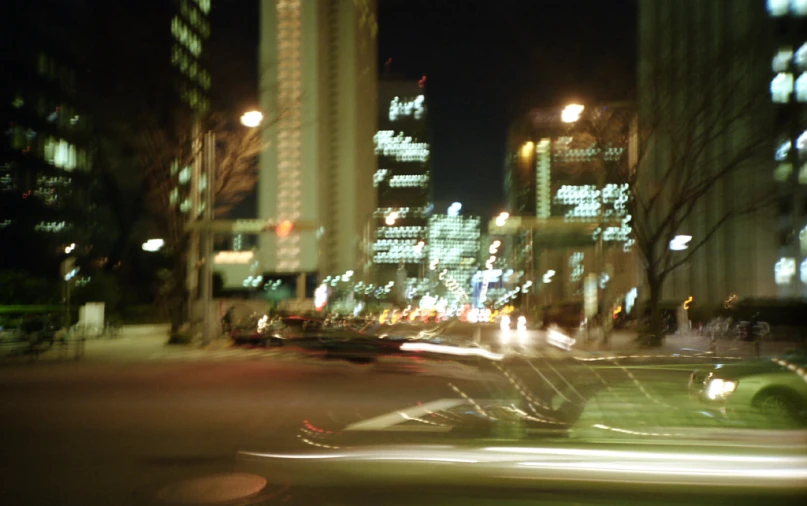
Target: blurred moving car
293,327
775,388
260,329
490,336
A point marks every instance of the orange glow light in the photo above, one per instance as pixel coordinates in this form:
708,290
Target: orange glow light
284,228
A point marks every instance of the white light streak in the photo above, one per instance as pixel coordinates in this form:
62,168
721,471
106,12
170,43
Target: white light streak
452,350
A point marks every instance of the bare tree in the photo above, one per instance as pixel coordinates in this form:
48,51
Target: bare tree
696,129
163,153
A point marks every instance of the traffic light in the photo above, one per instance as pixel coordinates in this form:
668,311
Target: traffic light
284,228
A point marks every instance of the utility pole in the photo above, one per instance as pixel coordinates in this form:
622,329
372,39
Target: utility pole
206,274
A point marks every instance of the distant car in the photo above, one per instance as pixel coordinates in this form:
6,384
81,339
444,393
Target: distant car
294,327
775,387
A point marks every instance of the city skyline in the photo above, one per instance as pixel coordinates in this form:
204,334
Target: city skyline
475,90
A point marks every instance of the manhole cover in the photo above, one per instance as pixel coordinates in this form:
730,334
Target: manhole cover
218,488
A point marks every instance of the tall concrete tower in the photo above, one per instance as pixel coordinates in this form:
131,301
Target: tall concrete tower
318,79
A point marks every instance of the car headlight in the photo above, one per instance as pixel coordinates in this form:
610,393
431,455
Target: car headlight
719,388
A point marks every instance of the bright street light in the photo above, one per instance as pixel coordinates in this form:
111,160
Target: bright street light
502,219
526,149
680,242
252,119
153,245
391,217
571,113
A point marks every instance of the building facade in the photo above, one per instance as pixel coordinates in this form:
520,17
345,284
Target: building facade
403,178
453,243
318,82
46,149
788,93
566,181
715,57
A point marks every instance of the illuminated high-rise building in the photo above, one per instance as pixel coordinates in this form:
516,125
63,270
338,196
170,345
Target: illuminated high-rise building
453,251
45,150
403,178
318,92
77,74
555,172
788,95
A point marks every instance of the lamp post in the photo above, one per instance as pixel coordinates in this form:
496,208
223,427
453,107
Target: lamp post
251,119
572,114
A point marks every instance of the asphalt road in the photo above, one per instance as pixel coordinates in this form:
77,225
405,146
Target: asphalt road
109,433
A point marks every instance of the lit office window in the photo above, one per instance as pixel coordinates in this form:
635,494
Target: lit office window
801,145
783,150
204,5
782,87
801,87
784,270
401,147
781,61
800,57
60,153
409,181
782,172
414,107
778,8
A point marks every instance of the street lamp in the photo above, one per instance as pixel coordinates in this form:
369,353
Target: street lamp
252,119
502,219
571,113
153,245
526,149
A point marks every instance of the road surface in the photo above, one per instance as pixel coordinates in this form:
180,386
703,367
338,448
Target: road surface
106,432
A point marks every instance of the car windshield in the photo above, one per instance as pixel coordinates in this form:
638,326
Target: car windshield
403,252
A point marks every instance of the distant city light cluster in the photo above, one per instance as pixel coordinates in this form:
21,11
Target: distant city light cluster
409,181
778,8
588,154
454,244
50,226
407,232
784,270
396,244
186,36
403,212
392,252
7,183
61,153
379,176
543,189
49,189
407,107
576,266
401,147
585,200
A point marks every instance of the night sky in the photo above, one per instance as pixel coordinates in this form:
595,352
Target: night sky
485,62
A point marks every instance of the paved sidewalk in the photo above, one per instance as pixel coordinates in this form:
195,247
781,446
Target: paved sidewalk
144,344
626,343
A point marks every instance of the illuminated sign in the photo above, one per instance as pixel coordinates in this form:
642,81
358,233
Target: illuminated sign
233,257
